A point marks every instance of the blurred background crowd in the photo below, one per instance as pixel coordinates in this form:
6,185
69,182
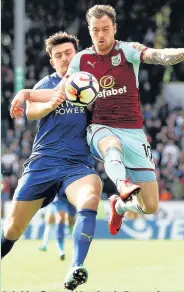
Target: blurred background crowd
154,23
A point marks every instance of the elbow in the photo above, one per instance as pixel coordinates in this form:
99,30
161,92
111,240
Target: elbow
30,115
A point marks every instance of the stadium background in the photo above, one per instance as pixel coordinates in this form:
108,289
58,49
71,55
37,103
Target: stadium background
157,24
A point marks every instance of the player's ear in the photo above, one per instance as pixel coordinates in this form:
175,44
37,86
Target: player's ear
89,29
52,63
115,28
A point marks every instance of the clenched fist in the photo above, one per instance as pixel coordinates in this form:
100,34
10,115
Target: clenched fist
57,99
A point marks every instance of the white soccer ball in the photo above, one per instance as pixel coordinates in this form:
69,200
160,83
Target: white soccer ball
81,88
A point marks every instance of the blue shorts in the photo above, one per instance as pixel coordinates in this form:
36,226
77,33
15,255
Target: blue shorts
59,205
136,150
36,184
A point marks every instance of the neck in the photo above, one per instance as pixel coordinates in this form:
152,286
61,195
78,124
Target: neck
105,52
59,74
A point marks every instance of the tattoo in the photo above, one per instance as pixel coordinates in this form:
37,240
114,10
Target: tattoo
27,95
164,56
138,46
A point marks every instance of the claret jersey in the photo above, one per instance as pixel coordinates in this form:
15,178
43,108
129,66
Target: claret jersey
118,102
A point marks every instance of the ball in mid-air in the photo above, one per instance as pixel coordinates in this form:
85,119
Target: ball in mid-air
81,88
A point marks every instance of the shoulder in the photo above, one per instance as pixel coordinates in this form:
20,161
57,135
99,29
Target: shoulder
43,83
88,51
48,82
130,45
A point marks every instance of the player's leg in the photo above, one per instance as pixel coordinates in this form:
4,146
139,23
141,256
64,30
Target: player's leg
145,203
33,192
60,229
83,193
140,170
49,226
106,145
149,197
18,219
71,221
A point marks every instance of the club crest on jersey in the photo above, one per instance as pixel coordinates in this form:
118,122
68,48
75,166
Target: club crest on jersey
116,60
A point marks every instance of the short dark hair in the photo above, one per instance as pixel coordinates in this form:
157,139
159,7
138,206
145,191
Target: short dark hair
99,11
60,38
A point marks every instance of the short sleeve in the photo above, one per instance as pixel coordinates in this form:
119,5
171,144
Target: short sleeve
133,51
74,64
43,83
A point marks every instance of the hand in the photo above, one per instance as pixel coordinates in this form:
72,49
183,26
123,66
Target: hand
18,100
18,112
61,86
57,99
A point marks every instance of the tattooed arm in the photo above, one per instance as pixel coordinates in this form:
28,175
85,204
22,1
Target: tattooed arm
163,56
160,56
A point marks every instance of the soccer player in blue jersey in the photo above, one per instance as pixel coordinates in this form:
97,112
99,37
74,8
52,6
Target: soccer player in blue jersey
60,163
116,134
55,218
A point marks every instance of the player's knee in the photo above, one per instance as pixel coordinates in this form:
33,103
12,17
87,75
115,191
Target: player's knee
107,143
91,202
94,199
151,208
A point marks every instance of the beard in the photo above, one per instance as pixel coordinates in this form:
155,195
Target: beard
105,46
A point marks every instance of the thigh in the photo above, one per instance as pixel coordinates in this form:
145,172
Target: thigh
21,213
85,192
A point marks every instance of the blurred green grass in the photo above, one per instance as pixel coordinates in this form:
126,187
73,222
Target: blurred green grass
113,265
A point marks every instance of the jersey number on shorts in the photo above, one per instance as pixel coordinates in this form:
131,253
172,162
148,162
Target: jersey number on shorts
147,149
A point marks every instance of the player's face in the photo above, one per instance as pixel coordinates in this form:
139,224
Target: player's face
62,54
102,33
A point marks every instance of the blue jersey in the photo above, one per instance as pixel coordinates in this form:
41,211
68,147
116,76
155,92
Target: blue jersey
60,154
62,133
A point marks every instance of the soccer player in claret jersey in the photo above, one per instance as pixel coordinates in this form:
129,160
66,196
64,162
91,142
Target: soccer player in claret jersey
60,163
116,134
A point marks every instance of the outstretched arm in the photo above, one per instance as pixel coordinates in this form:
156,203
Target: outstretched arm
164,57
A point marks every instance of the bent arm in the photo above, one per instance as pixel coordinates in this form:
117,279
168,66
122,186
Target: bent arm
38,95
164,57
34,95
44,95
38,110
